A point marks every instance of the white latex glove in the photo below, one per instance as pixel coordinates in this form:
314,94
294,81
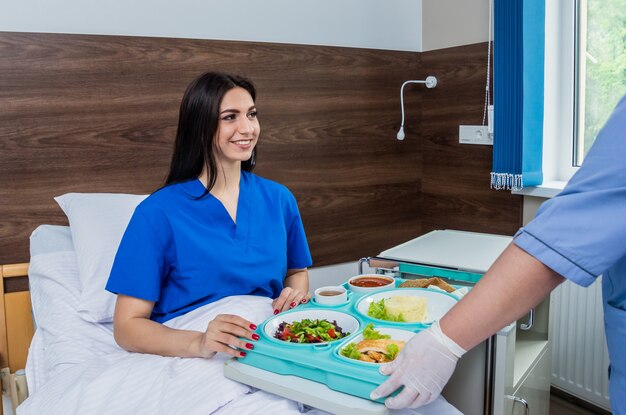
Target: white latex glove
423,367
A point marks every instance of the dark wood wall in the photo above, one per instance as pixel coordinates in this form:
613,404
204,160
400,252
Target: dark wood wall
455,191
82,113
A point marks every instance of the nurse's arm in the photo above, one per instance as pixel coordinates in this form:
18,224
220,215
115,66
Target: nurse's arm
134,331
514,284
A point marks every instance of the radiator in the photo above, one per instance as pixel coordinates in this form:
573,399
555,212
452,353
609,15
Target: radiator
580,357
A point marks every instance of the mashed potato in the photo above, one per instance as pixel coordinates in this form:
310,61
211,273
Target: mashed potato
412,309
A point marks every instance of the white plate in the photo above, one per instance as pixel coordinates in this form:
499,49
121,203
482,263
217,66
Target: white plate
396,334
347,323
438,302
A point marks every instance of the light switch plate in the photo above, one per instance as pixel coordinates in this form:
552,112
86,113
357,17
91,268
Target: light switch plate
475,134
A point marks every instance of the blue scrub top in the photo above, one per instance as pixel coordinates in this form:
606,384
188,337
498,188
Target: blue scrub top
182,252
581,234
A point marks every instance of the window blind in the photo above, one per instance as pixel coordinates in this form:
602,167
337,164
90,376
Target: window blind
519,33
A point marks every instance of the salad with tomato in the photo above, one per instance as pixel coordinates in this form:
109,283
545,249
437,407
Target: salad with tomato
309,331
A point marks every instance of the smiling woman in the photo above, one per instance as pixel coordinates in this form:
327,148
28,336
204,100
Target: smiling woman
238,126
211,105
234,144
213,230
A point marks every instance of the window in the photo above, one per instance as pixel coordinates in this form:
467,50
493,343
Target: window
599,69
581,89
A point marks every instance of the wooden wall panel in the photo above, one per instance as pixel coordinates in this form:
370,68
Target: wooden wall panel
455,191
98,114
82,113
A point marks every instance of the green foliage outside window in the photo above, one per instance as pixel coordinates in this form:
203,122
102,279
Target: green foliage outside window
605,81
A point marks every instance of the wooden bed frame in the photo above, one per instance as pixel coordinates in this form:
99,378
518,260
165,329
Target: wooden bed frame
16,331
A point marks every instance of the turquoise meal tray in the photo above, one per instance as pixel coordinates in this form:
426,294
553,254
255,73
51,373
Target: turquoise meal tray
321,362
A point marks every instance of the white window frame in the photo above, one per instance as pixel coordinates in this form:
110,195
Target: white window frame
559,92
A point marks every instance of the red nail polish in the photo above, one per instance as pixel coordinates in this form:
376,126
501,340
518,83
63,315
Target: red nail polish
243,354
275,312
249,346
255,336
253,326
293,304
303,300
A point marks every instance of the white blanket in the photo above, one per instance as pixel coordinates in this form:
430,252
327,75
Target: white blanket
109,380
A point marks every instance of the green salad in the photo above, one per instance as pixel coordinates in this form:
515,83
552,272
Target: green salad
309,331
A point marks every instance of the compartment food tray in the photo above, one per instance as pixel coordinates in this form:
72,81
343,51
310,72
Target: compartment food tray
321,362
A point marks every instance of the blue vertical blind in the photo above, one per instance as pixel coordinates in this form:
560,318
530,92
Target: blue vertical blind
519,33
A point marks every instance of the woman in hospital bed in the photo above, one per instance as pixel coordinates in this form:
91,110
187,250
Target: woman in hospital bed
202,261
214,230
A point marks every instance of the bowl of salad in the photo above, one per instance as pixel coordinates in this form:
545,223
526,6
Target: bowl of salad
374,345
310,327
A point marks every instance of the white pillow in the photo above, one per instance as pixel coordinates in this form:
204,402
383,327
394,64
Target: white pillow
97,222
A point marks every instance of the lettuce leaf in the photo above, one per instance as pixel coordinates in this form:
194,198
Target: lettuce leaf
370,334
377,310
351,351
392,351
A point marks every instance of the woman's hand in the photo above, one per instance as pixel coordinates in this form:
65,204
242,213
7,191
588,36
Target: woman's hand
296,290
135,332
289,298
223,335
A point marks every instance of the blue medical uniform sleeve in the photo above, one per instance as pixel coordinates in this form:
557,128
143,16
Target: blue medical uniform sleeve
139,266
581,232
298,254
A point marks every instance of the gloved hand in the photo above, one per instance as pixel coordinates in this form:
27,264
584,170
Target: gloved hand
423,367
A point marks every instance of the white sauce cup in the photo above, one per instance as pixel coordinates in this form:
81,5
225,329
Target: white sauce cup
331,295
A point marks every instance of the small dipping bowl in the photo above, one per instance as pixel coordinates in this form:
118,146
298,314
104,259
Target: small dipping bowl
331,295
369,283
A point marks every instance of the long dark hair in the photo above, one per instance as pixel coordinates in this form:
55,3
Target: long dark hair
197,124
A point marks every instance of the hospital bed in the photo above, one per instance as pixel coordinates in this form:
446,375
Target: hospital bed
69,356
69,363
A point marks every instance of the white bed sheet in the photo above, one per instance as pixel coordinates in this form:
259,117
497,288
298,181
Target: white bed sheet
75,366
61,338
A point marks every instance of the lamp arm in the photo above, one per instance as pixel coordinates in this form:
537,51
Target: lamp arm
430,82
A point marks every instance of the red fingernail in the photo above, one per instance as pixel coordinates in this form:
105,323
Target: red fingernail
249,346
243,354
303,300
293,304
275,311
255,336
253,326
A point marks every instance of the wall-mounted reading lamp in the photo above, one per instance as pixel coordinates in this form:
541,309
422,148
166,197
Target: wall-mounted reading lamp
430,82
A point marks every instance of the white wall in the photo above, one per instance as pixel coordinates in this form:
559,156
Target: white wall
334,274
391,24
375,24
448,23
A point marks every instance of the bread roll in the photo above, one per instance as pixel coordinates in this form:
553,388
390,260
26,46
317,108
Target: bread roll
427,282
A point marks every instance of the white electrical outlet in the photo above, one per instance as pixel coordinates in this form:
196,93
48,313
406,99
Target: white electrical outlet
475,134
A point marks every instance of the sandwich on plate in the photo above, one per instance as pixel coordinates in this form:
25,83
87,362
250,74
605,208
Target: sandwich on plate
374,348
